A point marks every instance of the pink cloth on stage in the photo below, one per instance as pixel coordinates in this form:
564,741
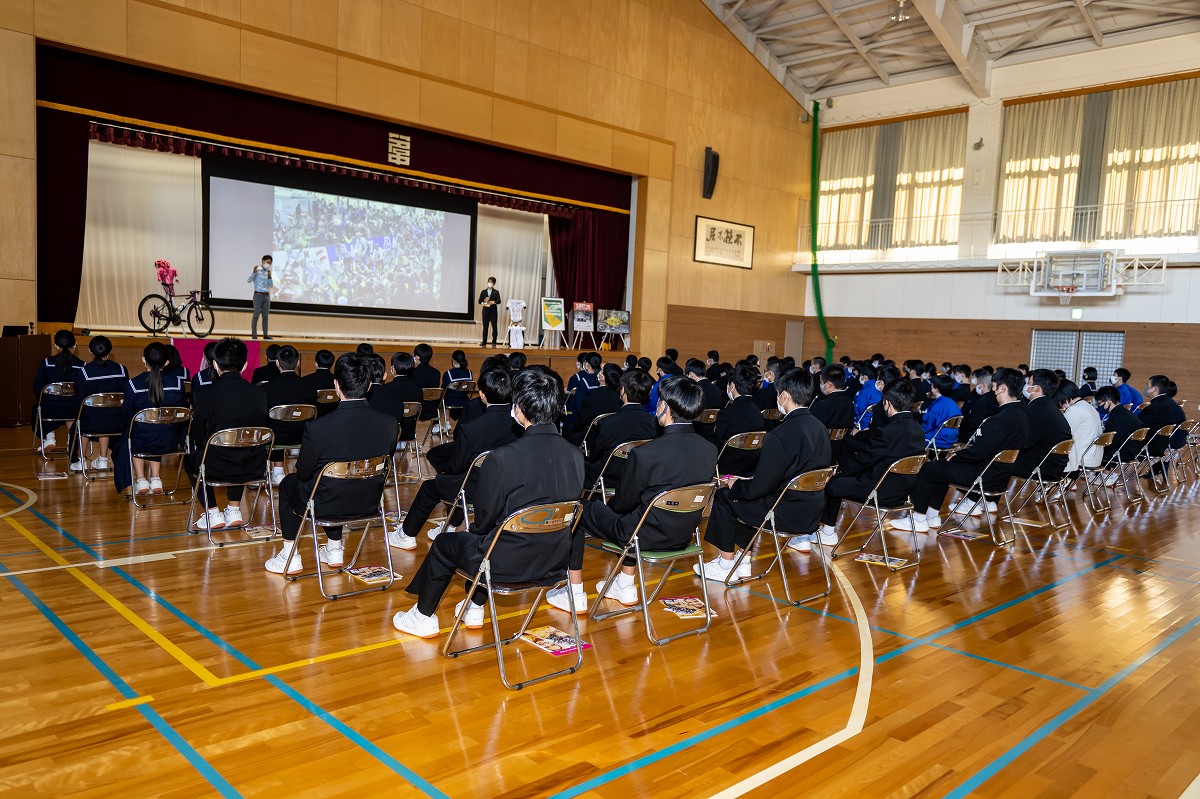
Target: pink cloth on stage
192,352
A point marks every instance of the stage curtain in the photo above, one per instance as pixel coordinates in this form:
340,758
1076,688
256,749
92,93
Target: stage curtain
511,246
591,252
62,168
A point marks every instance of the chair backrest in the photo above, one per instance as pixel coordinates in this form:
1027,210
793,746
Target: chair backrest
465,386
432,394
241,437
1062,448
326,396
623,449
707,416
907,467
168,414
108,399
814,480
1006,456
838,433
356,470
685,499
751,440
412,409
1104,439
1166,430
552,517
771,414
292,413
1143,406
591,426
58,390
1139,435
953,423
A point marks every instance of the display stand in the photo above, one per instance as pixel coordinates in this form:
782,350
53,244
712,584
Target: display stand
554,339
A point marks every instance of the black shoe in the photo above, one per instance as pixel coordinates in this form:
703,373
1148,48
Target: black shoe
267,338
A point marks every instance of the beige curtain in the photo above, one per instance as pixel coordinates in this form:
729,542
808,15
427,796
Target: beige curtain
847,183
929,181
1151,183
1040,163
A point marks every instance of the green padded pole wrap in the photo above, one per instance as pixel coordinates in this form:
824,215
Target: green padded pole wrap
814,206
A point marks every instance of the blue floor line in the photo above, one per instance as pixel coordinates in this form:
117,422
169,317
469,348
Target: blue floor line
198,762
1047,729
349,733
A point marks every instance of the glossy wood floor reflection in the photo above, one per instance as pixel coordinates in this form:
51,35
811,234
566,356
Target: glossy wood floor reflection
140,662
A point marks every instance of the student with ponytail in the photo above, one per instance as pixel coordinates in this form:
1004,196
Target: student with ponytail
150,389
101,376
59,368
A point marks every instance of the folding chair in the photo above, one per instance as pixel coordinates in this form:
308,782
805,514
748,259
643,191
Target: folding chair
1006,457
1087,473
1042,489
412,410
743,441
235,438
953,423
369,469
707,416
771,414
290,413
686,499
554,518
168,415
437,395
583,445
905,467
40,419
838,433
804,483
104,400
1160,461
327,399
461,496
464,386
619,453
1116,462
1191,442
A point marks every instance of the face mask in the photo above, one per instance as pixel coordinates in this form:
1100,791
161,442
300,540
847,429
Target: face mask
875,364
513,413
1113,380
1026,392
730,395
782,409
980,389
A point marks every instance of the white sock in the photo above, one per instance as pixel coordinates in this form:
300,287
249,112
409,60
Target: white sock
919,516
624,580
287,547
933,512
726,563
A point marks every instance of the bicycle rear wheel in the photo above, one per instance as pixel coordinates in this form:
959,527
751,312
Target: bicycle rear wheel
200,319
154,313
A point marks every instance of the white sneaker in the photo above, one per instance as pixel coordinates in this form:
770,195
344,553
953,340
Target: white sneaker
100,464
933,520
276,475
914,522
558,599
718,569
141,487
49,442
77,466
156,485
276,563
473,618
967,507
396,538
215,520
233,517
828,535
333,554
800,543
1111,479
413,622
438,529
625,594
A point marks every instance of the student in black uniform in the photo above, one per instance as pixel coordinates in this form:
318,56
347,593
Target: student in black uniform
1120,421
353,432
1087,386
60,368
268,370
321,377
834,407
489,298
540,467
578,386
475,407
101,376
207,372
1047,427
390,397
1007,429
677,458
962,389
605,398
983,405
147,390
630,422
740,415
424,375
230,402
765,397
286,388
714,397
713,365
799,444
1162,411
452,460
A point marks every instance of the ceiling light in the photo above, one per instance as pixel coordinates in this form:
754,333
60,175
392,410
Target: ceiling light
900,11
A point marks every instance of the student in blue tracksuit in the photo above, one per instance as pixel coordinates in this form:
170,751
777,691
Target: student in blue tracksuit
1129,395
150,389
868,395
581,383
940,408
60,368
101,376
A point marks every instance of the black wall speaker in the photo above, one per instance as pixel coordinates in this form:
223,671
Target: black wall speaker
712,163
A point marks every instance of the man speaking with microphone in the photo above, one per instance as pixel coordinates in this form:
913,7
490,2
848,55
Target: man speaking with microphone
261,278
489,298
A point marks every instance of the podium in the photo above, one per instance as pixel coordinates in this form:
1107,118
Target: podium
19,357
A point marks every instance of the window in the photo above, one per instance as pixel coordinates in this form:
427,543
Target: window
1073,351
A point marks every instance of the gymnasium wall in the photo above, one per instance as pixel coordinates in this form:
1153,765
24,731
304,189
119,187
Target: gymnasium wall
636,87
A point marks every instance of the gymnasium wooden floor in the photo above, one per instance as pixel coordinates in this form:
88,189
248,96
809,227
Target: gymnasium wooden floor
142,663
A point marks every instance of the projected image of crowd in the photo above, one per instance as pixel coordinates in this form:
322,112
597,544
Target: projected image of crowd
346,251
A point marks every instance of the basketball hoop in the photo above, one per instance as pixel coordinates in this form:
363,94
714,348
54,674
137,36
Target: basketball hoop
1065,293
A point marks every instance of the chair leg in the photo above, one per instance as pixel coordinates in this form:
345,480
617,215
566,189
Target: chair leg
833,552
787,593
745,553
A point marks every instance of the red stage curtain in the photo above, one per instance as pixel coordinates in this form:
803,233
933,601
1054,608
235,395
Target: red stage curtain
591,251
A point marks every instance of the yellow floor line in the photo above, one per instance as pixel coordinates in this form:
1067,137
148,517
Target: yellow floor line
137,700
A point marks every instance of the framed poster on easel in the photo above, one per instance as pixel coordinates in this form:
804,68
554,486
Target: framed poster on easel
554,322
613,323
583,322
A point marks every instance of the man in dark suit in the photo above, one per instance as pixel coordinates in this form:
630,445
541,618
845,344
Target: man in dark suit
1162,411
714,397
538,468
390,397
489,298
287,388
353,432
321,379
677,458
424,376
799,444
834,407
629,423
452,460
1007,429
604,399
229,402
741,415
1047,427
269,370
860,470
1120,421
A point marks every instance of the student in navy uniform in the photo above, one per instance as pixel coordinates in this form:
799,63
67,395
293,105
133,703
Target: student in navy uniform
101,376
580,384
390,397
628,423
1087,386
675,459
941,408
424,375
606,398
60,368
740,415
207,373
1162,411
455,400
268,370
286,388
174,368
833,406
147,390
799,444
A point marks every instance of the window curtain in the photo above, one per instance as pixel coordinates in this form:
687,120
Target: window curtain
929,181
1040,162
847,184
591,251
1151,183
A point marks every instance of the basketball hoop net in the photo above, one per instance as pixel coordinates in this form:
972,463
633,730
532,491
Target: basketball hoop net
1065,293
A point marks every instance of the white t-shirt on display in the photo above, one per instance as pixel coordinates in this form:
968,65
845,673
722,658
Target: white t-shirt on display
516,310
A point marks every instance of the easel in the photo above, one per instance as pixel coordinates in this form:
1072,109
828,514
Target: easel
553,339
577,341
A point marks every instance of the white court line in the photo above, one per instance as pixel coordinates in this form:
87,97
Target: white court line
858,711
115,562
1193,790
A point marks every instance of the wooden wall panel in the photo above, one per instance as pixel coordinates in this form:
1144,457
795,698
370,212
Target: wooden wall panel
315,21
18,176
695,331
400,42
16,15
18,126
190,44
281,66
369,87
522,127
450,108
96,25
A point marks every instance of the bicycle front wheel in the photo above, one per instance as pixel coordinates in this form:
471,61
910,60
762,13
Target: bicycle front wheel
200,319
154,313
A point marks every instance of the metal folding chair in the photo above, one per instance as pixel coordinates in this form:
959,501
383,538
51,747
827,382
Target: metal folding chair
771,414
167,415
437,395
1043,488
1158,461
1094,476
685,499
804,483
461,497
905,467
412,410
369,469
1121,466
744,441
619,453
583,445
1191,442
290,413
235,438
467,387
327,400
40,419
953,423
838,433
103,400
707,416
1006,457
549,519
